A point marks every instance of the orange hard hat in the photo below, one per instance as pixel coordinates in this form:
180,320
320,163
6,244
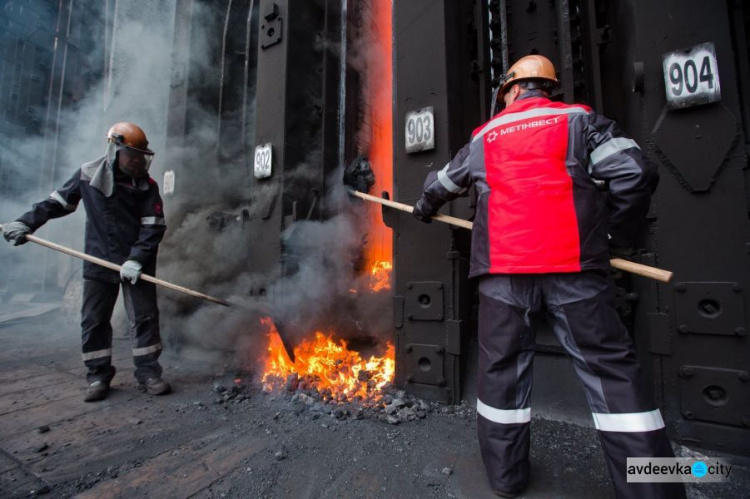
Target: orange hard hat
530,67
129,135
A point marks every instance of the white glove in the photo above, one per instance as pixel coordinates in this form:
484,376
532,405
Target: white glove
16,232
130,271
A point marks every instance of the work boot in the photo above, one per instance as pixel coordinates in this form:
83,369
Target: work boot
97,390
154,386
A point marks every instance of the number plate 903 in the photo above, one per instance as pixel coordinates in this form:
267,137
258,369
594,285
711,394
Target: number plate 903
691,76
420,130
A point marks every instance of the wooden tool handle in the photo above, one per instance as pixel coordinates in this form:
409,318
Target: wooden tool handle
618,263
641,270
458,222
116,268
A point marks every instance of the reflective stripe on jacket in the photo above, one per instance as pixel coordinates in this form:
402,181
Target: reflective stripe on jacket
129,225
539,209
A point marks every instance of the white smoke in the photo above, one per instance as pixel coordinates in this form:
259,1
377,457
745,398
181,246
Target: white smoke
134,87
141,73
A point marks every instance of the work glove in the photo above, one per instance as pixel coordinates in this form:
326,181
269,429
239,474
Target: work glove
358,176
130,271
624,252
420,214
16,232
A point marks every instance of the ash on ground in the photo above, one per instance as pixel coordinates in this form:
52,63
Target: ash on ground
299,396
220,436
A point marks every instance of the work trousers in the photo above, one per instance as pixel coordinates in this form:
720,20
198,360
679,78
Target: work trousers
580,308
99,300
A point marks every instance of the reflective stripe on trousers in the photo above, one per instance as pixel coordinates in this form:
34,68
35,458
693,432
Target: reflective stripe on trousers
99,300
580,309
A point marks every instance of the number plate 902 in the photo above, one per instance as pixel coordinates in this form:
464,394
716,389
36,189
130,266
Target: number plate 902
691,76
263,161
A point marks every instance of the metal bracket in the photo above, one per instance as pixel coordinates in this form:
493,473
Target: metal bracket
424,364
715,395
270,29
424,301
715,308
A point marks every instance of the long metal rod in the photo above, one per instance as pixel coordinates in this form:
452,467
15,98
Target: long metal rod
115,267
246,77
109,89
618,263
222,74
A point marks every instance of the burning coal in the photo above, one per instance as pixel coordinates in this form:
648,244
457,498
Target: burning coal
327,366
322,363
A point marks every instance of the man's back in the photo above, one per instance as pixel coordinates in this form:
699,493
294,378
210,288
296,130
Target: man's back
539,209
540,201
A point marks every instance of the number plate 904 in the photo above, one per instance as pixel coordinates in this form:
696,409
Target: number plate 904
691,76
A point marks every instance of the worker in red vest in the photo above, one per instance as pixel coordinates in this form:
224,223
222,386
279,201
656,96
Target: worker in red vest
543,235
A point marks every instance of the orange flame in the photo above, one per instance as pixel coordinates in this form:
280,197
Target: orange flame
322,362
325,365
380,276
380,85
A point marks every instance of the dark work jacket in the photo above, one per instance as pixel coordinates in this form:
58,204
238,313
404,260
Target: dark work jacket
128,225
539,210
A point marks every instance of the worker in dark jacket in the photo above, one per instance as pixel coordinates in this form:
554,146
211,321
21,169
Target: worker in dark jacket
542,239
124,225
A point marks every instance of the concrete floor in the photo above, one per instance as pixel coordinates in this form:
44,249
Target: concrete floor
187,445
